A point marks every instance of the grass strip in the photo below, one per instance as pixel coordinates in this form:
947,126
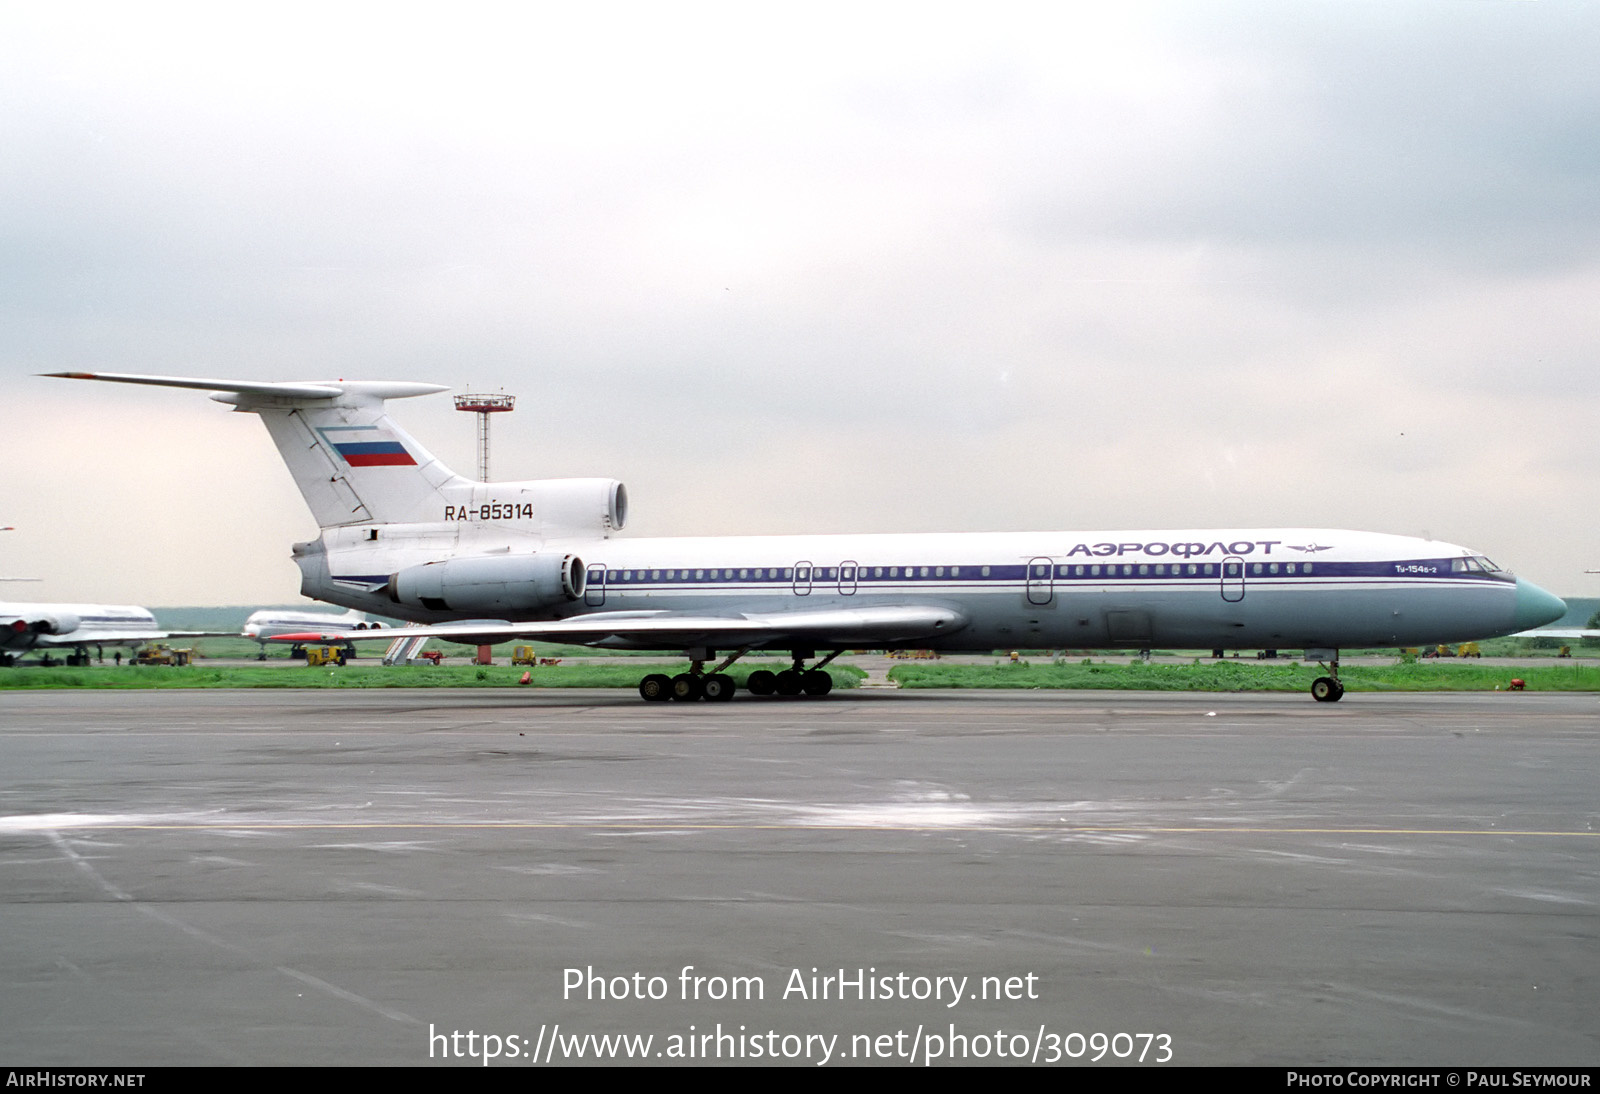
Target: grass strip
369,676
1254,676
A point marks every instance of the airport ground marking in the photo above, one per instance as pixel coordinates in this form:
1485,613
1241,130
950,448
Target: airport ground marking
668,826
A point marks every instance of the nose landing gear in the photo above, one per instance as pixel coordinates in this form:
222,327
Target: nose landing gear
1328,689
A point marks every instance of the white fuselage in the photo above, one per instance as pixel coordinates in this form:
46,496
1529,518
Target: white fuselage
1311,588
271,622
26,626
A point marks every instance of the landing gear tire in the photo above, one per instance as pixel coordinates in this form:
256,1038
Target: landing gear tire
789,682
762,682
1326,689
656,688
686,687
817,682
718,687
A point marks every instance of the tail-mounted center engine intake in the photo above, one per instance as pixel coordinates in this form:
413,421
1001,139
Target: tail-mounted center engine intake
578,507
45,623
491,585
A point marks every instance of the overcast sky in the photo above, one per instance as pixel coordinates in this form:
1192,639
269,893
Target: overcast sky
787,268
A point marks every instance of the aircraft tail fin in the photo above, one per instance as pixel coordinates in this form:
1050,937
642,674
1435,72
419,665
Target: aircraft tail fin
352,462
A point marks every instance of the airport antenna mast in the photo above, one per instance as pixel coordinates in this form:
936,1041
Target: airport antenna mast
483,406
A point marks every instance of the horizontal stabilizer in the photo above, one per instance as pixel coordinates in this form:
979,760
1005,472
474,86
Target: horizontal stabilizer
352,462
264,389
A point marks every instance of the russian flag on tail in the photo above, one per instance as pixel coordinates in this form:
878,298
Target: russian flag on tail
366,446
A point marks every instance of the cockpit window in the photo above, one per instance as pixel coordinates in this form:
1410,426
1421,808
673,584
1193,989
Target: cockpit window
1473,564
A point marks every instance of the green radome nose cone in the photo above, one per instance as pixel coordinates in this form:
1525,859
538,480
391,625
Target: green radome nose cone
1535,607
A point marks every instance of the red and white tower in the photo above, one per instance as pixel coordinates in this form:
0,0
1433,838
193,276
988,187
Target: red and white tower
483,406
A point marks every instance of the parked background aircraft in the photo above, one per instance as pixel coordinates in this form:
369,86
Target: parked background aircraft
1565,633
488,562
75,627
269,623
8,528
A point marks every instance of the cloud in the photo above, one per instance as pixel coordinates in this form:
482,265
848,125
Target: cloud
817,268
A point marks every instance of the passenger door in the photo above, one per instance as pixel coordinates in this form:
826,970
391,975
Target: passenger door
1233,579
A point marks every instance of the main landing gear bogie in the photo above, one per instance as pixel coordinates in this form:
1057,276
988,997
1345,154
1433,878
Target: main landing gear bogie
790,682
686,687
718,686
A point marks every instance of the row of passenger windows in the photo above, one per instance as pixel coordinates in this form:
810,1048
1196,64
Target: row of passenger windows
787,573
869,573
1175,569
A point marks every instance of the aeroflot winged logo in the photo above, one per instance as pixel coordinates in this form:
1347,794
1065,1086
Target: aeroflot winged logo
366,446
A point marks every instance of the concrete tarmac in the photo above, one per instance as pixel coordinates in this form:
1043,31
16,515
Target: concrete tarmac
368,877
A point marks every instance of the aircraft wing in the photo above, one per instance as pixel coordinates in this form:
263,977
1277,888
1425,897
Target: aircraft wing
109,636
667,629
1559,632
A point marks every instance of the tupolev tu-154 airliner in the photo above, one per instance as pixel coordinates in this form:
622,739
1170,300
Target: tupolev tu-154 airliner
45,627
270,623
403,535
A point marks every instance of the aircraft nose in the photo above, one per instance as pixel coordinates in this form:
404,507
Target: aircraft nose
1535,607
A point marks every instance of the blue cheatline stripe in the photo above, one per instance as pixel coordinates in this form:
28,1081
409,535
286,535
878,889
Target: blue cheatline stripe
972,576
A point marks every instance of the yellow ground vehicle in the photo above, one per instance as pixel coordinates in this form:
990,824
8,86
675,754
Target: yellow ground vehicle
324,655
1468,649
525,655
158,654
